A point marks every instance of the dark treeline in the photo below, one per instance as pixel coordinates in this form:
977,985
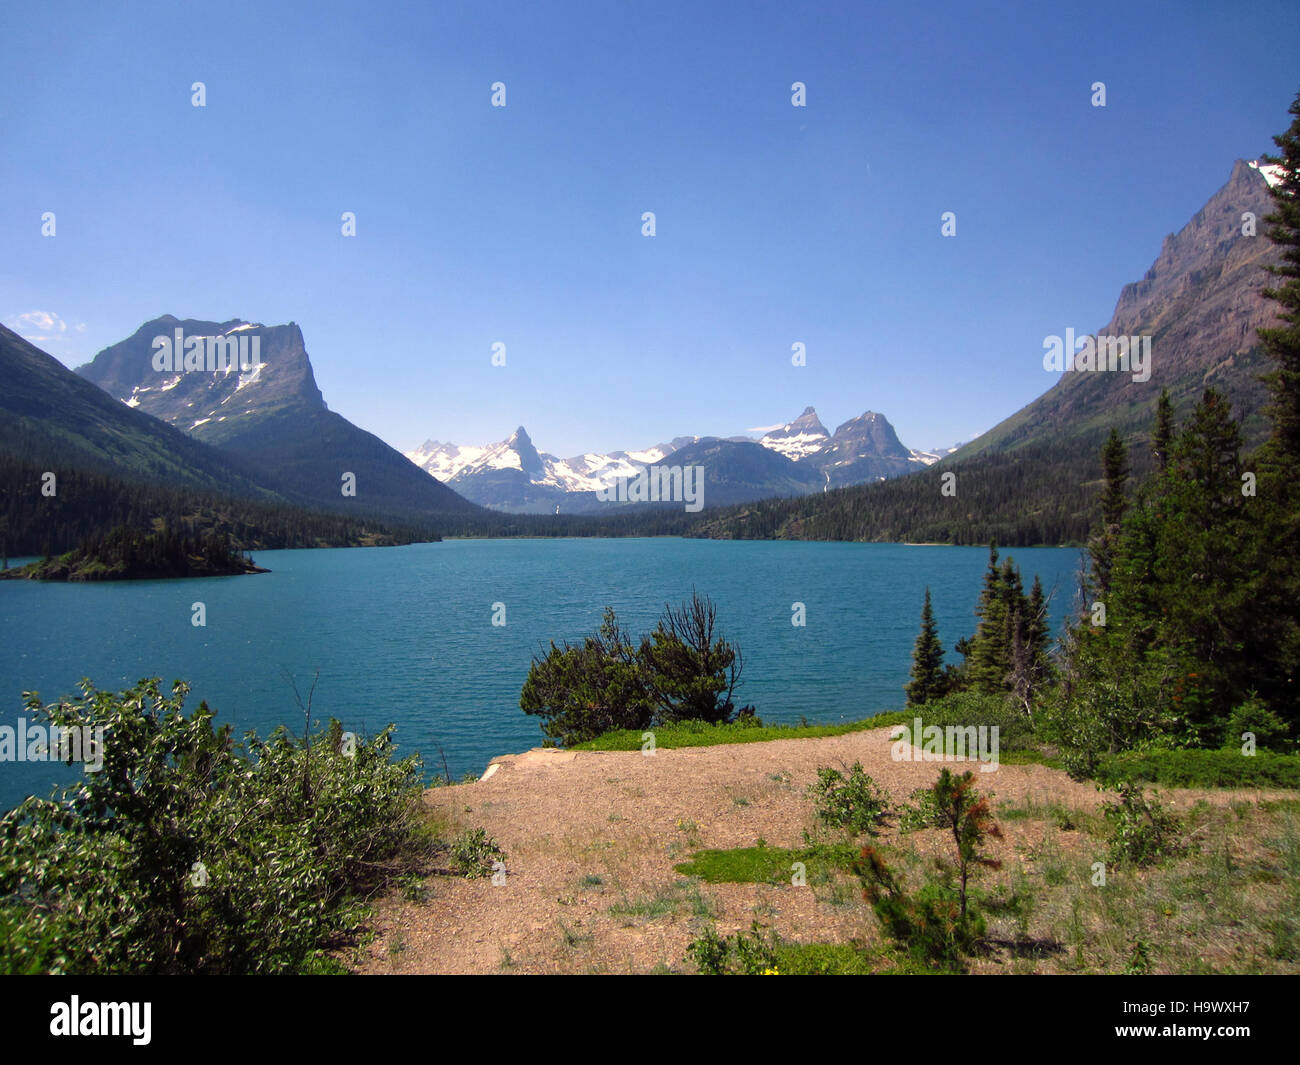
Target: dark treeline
86,504
91,502
1033,495
641,519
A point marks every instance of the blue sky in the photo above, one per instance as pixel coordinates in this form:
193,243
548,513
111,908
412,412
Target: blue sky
522,224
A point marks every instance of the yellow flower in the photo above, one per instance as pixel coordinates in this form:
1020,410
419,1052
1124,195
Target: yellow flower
771,972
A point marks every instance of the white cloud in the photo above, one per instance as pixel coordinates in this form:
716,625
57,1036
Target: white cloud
42,326
42,321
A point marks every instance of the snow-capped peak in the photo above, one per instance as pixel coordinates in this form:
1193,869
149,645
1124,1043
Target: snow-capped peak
798,439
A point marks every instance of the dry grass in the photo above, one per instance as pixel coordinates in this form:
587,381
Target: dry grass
592,838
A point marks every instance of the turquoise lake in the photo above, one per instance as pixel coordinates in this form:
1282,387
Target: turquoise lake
405,634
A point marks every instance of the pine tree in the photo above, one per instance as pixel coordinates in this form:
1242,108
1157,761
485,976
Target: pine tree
928,676
989,661
1004,652
1181,586
1164,431
1275,527
1114,460
1282,343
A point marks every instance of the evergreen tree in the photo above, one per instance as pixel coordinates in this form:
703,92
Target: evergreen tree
989,658
1275,547
1114,461
1008,651
1181,596
1164,431
1282,343
928,676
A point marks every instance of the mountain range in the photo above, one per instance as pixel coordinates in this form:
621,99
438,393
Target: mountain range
797,458
263,434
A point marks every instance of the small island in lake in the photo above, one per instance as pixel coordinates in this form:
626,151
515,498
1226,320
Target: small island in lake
128,553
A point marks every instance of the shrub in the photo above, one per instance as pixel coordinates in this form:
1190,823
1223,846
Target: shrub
690,674
581,691
1142,832
1104,709
1254,716
749,953
921,812
187,852
474,853
852,802
821,959
681,672
1015,727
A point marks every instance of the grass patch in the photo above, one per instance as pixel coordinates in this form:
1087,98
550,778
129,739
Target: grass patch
668,900
1016,735
1063,817
1201,769
764,865
821,959
703,734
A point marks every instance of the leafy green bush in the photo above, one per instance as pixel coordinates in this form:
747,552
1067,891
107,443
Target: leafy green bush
852,802
921,812
1015,727
749,953
582,690
1142,832
474,853
1104,708
683,671
187,852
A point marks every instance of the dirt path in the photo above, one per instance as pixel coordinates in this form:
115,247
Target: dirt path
592,838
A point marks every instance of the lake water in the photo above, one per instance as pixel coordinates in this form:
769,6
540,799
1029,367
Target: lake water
405,634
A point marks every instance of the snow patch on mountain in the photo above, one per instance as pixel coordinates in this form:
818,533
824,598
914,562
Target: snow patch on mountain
798,439
588,472
1271,173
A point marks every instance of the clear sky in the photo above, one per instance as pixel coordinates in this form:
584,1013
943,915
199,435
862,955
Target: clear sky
522,225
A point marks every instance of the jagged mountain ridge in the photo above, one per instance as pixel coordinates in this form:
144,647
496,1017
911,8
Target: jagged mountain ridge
801,457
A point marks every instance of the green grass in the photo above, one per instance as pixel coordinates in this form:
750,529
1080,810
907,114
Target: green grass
821,959
764,865
669,899
703,734
1202,769
1017,742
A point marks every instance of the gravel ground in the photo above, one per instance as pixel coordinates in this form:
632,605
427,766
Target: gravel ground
592,837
